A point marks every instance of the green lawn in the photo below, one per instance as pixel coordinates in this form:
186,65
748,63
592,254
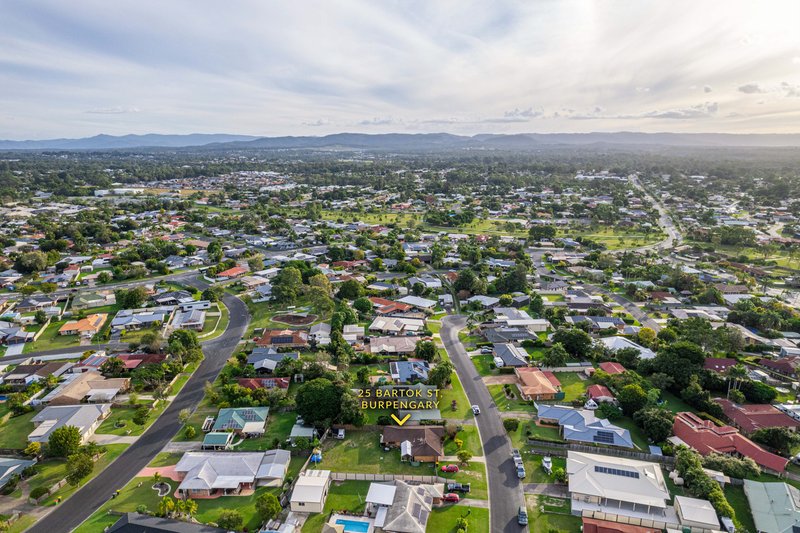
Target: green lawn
546,432
547,514
573,386
673,403
209,332
51,340
23,522
124,417
133,495
533,467
15,430
475,474
504,404
203,410
279,425
472,442
483,364
738,500
343,496
166,459
360,451
52,471
639,439
454,392
443,519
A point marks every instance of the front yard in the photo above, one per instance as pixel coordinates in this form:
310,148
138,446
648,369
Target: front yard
443,519
361,451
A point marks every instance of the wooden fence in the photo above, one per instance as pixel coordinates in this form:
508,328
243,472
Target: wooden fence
561,449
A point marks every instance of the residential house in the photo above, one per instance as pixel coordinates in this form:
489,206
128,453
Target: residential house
310,491
267,359
352,333
264,383
393,345
244,421
217,440
511,317
398,507
786,366
139,523
383,306
320,334
262,293
611,367
172,298
231,273
423,304
706,437
88,300
618,486
36,302
597,323
86,418
752,417
387,325
85,327
533,384
208,474
132,319
10,467
594,525
23,375
599,394
90,387
775,506
485,302
507,354
720,365
11,333
411,371
417,443
616,343
283,338
581,425
696,514
193,319
498,334
273,468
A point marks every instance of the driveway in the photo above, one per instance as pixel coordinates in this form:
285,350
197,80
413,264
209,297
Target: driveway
505,489
505,379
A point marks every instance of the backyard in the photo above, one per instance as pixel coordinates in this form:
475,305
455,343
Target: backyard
346,495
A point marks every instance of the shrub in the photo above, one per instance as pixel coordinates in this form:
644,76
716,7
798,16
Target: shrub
38,492
511,424
189,432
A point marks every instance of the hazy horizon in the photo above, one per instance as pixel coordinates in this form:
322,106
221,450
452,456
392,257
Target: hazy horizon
84,68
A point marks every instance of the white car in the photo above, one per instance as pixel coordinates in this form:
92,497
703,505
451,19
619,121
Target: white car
476,410
340,433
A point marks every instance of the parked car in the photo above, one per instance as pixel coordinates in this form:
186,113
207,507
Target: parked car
449,468
522,516
476,410
340,433
486,350
521,472
451,497
457,487
547,464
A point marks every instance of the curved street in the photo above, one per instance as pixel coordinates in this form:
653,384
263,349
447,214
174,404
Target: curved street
505,489
73,511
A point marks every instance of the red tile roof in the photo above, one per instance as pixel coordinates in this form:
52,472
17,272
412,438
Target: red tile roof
706,437
750,418
552,379
264,383
598,391
232,272
785,365
719,364
611,367
592,525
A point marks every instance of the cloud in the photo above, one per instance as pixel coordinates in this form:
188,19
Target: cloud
790,90
751,88
116,110
699,111
377,121
707,89
317,123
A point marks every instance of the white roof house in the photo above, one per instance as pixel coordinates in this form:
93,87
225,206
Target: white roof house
209,471
381,494
696,513
85,417
310,491
416,301
599,482
619,343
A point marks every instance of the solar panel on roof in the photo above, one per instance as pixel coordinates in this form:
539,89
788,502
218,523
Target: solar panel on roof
616,472
604,437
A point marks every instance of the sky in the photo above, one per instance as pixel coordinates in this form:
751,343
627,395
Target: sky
272,67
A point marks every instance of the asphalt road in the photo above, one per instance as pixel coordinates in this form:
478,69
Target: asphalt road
86,501
505,489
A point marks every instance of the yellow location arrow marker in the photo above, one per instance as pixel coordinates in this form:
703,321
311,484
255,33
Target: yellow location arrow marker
403,421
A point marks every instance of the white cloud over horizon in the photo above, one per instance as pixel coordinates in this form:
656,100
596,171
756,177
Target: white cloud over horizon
80,68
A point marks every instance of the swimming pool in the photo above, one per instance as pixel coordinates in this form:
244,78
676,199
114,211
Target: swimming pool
354,526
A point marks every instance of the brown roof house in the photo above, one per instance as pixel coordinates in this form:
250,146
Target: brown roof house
533,384
290,338
89,386
417,443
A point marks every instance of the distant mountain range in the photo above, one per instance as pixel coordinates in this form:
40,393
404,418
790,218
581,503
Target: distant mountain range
406,142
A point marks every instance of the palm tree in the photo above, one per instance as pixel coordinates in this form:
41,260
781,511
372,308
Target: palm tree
189,507
156,478
736,374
